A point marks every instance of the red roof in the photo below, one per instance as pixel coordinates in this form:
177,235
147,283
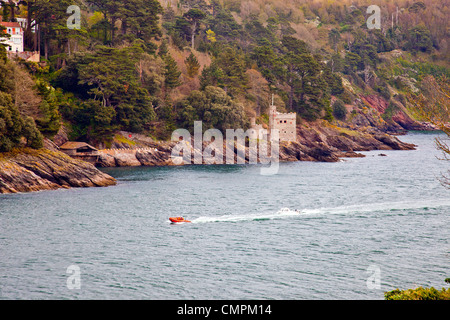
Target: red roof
11,24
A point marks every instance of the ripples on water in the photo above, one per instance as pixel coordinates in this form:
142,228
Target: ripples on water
310,232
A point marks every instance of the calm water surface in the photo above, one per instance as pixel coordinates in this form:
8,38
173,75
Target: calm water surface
247,241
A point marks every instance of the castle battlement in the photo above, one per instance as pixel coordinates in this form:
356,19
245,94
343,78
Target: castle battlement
286,123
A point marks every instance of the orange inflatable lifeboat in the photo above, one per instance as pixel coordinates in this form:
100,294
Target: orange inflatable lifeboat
178,219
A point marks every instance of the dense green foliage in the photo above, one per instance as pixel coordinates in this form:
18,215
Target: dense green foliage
112,95
339,110
139,20
50,120
226,71
172,73
214,107
14,127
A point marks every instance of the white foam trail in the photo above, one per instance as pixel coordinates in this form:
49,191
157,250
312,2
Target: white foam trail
283,213
380,207
351,209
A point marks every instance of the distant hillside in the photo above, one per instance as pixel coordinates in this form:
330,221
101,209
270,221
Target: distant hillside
146,67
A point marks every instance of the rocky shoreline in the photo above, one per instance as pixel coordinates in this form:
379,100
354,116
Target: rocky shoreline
364,129
315,142
27,170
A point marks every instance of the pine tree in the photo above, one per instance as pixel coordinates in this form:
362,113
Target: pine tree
51,16
212,75
334,37
194,16
232,62
172,73
163,48
192,65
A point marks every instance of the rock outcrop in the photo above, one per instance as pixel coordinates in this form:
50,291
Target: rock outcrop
319,141
396,120
25,170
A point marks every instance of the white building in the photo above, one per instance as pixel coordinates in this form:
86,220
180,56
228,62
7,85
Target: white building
24,23
15,42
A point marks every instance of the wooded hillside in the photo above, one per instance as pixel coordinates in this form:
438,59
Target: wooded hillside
152,66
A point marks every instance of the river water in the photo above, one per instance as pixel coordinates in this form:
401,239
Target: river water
347,230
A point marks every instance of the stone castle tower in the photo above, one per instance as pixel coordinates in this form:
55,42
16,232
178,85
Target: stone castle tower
286,123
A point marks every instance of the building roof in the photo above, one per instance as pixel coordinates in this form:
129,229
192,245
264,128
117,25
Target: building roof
11,24
70,145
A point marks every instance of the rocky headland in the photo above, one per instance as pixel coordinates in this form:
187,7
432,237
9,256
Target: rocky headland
365,128
26,170
318,141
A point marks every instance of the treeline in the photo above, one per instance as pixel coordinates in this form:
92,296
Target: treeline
16,130
152,66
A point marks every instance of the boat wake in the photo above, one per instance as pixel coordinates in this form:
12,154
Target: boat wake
384,208
387,207
283,213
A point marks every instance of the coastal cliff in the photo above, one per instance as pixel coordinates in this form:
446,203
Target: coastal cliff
26,170
317,141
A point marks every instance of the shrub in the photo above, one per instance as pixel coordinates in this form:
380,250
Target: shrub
383,90
339,110
390,111
418,294
13,127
